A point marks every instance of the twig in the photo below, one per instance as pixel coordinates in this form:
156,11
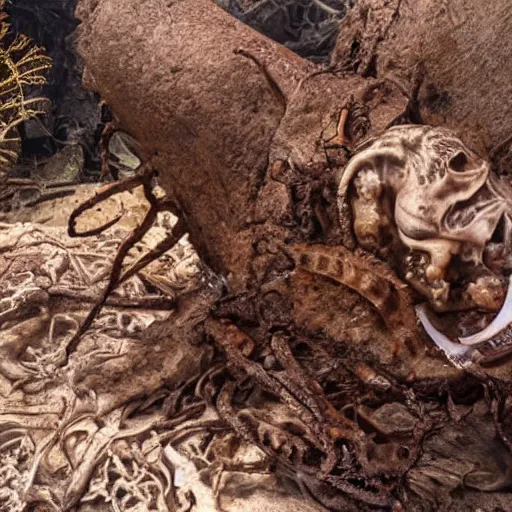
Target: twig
276,89
107,133
103,194
116,276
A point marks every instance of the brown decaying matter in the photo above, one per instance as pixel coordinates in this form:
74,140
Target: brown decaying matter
238,137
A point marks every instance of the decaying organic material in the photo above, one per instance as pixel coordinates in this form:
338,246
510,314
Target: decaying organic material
296,361
62,419
72,273
423,188
370,278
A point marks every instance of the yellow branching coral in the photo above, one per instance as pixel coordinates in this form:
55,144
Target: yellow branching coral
22,65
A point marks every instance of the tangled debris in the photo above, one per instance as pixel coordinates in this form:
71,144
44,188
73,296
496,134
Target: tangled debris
181,395
307,27
41,308
131,425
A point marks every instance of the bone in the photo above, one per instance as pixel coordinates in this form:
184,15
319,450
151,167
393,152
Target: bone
450,348
500,322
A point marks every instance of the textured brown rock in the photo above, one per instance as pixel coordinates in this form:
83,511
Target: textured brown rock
458,51
214,104
207,123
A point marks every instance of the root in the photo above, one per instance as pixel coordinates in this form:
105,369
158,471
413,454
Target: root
116,275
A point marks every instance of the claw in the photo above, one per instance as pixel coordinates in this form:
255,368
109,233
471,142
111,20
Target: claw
455,352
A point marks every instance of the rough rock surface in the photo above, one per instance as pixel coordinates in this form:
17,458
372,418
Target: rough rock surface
455,54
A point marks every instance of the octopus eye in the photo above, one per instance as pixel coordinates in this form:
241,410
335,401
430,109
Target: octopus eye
458,162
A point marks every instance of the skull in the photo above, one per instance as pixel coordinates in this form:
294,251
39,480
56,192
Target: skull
425,202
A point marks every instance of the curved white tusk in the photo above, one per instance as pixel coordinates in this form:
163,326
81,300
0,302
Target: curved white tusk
443,342
500,322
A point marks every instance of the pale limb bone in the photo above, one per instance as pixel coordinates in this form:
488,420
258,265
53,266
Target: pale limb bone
98,485
500,322
340,139
186,477
41,451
